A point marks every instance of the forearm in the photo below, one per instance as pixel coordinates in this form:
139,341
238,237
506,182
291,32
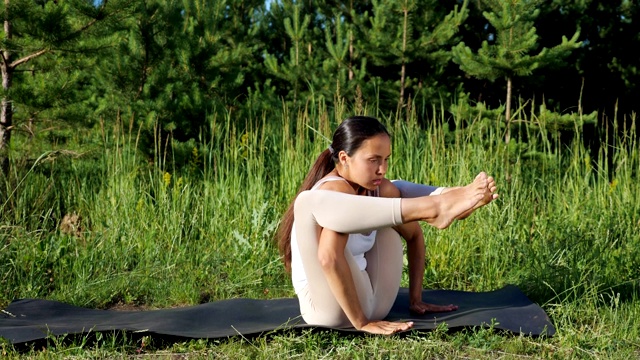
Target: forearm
412,233
415,256
342,286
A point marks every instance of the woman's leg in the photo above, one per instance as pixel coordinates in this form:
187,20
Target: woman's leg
377,286
345,213
384,267
338,215
318,303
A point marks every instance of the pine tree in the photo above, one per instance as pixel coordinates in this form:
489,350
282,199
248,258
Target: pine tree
604,72
296,63
344,68
178,62
311,50
44,33
412,36
510,52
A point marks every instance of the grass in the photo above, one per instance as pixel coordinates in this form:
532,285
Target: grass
186,223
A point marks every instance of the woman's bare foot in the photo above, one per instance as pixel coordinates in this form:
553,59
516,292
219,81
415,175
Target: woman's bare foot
457,201
489,193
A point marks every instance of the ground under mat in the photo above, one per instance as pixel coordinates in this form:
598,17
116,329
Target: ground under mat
29,320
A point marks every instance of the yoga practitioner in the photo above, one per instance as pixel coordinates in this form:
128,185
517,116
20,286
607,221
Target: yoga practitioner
340,237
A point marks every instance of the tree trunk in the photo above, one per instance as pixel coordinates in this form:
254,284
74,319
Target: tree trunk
350,56
507,136
6,114
404,48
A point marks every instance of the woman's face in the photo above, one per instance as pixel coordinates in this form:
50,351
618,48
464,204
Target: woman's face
369,163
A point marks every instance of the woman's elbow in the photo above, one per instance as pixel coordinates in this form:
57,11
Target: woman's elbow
328,259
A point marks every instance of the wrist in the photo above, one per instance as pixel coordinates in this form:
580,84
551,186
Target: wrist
415,297
360,323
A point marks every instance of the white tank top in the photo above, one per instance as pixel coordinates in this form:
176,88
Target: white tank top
357,244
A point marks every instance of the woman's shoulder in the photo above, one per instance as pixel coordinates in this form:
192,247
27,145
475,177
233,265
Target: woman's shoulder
335,183
388,190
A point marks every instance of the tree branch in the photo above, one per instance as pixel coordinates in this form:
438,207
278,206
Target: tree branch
27,58
101,15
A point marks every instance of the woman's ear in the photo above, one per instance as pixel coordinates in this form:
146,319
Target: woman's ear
342,157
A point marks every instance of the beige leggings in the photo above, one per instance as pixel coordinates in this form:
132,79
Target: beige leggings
377,286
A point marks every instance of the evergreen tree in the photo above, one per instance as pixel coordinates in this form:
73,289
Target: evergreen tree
385,50
44,31
510,52
311,53
178,62
296,63
412,36
344,68
604,73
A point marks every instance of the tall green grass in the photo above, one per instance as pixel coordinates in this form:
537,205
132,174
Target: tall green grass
194,222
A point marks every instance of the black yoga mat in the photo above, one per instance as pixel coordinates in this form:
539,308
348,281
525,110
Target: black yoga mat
28,320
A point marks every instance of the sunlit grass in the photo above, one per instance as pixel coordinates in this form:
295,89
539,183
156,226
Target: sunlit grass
194,222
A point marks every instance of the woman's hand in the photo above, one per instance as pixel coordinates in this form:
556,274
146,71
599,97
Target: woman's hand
386,327
420,307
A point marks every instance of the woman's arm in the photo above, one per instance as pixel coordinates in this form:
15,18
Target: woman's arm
416,253
412,233
331,249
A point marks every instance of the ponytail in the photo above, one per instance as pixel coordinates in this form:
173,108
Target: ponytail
323,165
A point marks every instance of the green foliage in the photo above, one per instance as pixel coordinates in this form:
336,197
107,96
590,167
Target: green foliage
153,235
515,40
176,132
343,58
179,62
297,68
43,76
605,72
409,63
510,54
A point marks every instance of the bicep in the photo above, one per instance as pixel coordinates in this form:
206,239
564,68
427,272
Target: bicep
331,249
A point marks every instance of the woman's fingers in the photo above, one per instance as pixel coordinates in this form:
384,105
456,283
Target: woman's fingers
422,308
386,327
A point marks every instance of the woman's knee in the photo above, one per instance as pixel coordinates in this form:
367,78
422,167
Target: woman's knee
389,239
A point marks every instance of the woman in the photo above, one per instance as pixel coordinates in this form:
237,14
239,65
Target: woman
340,238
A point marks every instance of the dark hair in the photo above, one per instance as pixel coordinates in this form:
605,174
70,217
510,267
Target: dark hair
349,137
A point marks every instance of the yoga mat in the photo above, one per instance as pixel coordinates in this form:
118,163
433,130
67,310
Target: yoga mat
29,320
